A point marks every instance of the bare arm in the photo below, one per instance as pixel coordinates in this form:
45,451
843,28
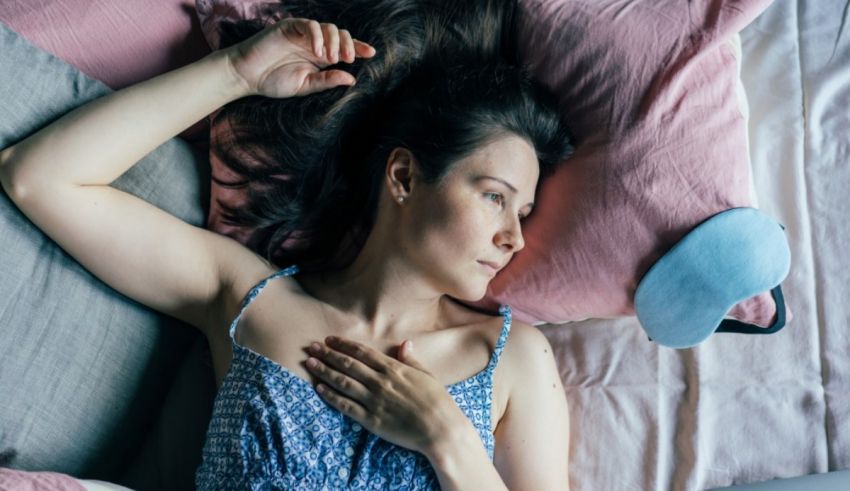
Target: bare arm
59,177
532,438
461,463
96,143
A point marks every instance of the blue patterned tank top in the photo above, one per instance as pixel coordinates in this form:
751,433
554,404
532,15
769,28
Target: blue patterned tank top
271,430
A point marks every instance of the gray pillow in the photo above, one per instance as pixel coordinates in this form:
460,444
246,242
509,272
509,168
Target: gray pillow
87,375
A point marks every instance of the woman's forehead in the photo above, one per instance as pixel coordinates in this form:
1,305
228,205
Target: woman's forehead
510,159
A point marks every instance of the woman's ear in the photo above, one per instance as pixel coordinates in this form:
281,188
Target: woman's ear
401,167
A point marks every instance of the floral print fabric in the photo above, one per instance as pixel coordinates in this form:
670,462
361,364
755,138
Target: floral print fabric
271,430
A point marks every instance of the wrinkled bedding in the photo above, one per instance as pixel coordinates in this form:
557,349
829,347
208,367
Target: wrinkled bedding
738,408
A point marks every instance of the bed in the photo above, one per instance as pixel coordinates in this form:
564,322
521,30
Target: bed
741,409
736,409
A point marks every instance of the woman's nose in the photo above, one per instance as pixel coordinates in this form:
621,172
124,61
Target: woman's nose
512,236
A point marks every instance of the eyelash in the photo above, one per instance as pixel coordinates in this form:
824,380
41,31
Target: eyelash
501,201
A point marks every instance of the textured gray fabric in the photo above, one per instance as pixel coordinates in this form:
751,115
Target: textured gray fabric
84,370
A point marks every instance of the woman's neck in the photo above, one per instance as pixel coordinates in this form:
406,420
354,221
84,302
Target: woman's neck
378,302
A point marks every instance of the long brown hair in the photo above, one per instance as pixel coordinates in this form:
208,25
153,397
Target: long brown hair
444,81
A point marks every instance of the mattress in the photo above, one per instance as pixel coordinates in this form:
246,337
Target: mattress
738,408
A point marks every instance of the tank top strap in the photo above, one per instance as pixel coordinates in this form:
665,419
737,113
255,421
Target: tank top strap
507,318
252,294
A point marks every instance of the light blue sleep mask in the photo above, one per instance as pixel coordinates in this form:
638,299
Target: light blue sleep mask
726,259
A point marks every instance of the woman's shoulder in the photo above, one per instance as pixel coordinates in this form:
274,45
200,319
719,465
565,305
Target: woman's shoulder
522,337
520,363
526,338
527,353
241,272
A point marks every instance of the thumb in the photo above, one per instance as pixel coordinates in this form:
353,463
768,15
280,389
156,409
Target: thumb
405,354
323,80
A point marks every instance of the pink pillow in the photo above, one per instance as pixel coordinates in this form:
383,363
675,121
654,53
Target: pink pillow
211,13
650,90
118,43
15,480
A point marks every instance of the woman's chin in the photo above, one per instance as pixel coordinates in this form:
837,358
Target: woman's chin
475,295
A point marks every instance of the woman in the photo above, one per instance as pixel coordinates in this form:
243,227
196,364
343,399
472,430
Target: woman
360,409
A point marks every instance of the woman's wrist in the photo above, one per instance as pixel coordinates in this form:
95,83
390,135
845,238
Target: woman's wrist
448,428
461,462
236,83
442,450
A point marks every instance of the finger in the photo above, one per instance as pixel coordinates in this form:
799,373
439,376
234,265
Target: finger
341,382
346,46
407,352
348,365
331,42
324,80
342,404
371,357
363,50
313,30
408,358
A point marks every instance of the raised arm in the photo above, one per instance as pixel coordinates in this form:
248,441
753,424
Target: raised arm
96,143
59,177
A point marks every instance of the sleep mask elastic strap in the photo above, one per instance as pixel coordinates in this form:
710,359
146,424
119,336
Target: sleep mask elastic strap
732,325
736,326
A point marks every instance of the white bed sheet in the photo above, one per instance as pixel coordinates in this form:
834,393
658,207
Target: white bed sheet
738,408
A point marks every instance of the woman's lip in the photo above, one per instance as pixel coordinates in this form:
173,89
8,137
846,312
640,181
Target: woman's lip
492,268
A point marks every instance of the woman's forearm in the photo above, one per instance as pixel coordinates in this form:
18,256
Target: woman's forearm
96,143
462,463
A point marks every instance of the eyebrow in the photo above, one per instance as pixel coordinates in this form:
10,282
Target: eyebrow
506,183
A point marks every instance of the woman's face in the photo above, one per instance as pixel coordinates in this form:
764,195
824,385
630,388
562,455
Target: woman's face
472,217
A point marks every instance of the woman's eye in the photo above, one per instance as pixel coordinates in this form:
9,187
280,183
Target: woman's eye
497,195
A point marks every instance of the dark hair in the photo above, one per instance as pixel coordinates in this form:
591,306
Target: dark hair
443,83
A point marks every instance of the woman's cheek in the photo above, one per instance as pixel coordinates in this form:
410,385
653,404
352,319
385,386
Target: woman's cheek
465,224
430,235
